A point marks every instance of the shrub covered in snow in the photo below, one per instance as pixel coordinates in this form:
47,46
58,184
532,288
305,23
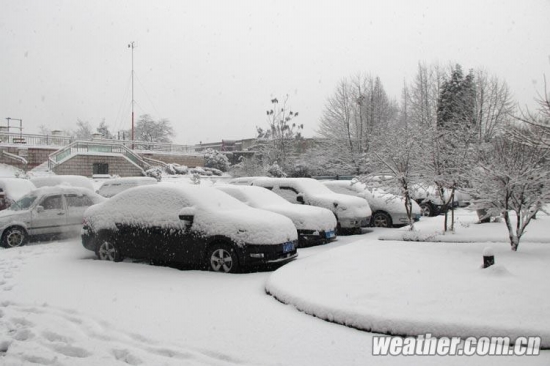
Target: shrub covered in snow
216,159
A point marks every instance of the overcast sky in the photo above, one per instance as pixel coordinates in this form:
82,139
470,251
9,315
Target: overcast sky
211,67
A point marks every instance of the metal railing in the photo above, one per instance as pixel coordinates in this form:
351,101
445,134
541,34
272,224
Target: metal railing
102,147
61,140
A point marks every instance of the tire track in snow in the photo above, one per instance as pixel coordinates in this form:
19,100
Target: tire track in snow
48,335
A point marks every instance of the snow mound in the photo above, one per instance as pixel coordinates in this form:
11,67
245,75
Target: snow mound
411,289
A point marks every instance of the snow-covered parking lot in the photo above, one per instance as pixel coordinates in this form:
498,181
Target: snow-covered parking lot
61,306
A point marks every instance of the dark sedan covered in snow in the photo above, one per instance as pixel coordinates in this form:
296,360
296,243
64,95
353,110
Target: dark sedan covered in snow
193,225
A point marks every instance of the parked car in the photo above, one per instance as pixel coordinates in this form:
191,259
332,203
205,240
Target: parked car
188,224
351,213
45,211
111,187
65,180
315,225
430,202
12,189
388,210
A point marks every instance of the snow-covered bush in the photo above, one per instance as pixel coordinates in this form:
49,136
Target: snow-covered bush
155,172
275,171
216,159
214,171
248,167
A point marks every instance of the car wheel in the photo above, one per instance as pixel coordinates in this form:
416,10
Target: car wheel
381,219
222,258
108,251
14,237
426,209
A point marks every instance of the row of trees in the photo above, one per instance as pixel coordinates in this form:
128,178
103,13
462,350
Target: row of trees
450,129
146,129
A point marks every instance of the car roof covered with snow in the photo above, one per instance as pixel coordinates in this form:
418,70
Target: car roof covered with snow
214,212
111,187
66,180
317,194
377,198
303,217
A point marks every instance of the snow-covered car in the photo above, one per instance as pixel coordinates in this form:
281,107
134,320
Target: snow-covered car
12,189
430,202
187,224
315,225
45,211
352,213
244,181
113,186
64,180
388,209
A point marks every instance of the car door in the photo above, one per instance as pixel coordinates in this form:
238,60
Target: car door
49,216
76,205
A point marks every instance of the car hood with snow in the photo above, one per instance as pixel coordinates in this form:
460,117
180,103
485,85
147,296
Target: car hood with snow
210,211
303,217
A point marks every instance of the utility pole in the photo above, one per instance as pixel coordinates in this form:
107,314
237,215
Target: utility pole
131,45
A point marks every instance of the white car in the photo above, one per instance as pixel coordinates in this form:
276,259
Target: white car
64,180
314,224
352,213
114,186
188,224
387,209
44,211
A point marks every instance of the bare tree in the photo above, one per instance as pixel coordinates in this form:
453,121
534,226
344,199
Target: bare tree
281,134
354,117
147,129
493,105
512,176
83,131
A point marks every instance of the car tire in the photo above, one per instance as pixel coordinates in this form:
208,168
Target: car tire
14,237
381,219
426,209
107,250
222,258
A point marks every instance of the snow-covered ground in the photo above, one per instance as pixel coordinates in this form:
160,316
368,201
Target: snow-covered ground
61,306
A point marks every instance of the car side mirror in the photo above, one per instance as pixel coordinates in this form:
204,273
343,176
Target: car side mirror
300,199
40,209
187,220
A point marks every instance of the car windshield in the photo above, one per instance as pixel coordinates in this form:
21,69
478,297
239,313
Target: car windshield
313,186
23,204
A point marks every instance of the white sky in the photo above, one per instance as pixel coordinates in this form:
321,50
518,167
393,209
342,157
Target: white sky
211,67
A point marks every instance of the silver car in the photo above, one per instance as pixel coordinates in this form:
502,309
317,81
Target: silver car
45,211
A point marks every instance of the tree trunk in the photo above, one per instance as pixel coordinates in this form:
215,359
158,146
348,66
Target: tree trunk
514,241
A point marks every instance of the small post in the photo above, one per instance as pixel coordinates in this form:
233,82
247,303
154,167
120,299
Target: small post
488,257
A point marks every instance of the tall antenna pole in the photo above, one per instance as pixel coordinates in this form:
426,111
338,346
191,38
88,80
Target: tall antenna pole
131,45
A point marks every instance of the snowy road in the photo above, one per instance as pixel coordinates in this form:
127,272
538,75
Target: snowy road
60,306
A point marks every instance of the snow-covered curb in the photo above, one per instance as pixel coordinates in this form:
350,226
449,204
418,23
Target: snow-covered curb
467,230
411,288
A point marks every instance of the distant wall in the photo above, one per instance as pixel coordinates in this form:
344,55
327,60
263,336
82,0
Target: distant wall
191,161
83,165
34,156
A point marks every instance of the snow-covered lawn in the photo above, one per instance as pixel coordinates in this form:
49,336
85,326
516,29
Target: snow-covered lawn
60,306
467,230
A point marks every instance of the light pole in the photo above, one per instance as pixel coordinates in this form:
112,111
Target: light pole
131,45
20,126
